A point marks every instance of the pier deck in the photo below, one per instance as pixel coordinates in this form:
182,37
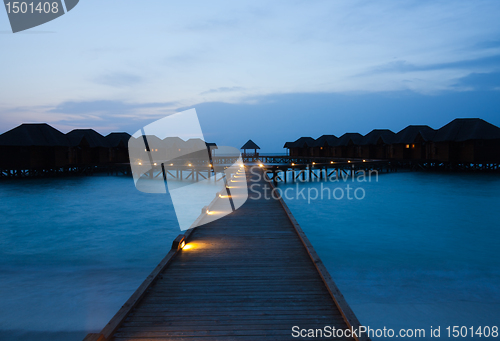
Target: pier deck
251,275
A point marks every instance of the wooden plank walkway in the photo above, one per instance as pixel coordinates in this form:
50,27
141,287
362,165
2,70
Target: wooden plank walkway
251,275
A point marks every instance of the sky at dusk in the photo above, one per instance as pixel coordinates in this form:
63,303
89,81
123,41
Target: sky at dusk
269,71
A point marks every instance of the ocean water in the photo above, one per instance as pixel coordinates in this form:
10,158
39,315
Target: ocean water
420,250
73,250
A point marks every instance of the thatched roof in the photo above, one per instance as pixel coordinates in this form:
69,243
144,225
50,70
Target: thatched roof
118,139
410,134
463,129
329,140
348,137
385,136
34,134
303,142
93,138
250,145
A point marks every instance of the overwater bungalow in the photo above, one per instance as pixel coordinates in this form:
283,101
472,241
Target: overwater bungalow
88,147
376,144
467,140
301,147
34,146
118,144
346,145
325,145
413,143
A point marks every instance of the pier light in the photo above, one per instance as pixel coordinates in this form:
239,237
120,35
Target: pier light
314,163
209,165
261,165
179,242
207,211
140,163
145,150
293,164
154,164
348,161
364,160
187,246
189,165
407,146
331,161
171,164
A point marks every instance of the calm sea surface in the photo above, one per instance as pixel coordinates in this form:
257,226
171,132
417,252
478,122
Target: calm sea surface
73,250
419,250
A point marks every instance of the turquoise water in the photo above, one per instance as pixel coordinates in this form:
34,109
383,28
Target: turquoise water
73,250
419,250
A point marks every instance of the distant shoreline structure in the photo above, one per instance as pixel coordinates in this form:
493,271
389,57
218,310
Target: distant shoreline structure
462,141
37,149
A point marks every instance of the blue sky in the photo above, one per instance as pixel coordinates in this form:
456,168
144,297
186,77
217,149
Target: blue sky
270,71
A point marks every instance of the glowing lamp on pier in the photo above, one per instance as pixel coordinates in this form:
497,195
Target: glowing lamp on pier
331,162
261,165
189,165
179,242
293,164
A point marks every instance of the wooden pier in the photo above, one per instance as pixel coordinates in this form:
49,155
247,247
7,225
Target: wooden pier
251,275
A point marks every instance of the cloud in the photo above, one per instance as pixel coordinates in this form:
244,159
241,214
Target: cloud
401,66
481,81
108,107
193,52
118,79
222,90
